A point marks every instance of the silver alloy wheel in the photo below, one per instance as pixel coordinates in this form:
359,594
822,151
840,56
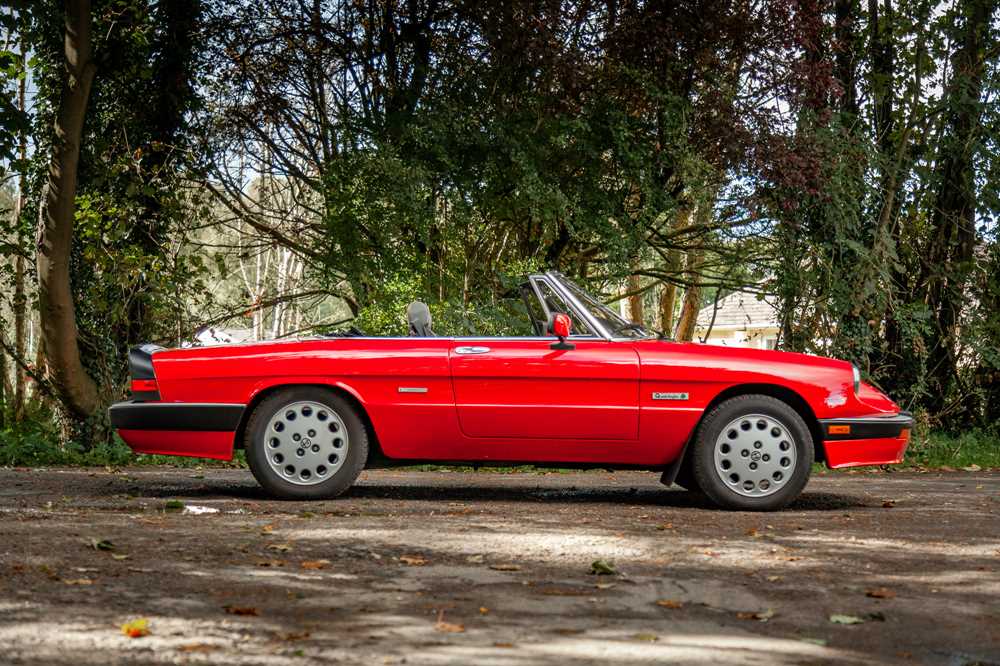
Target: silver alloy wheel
755,455
305,442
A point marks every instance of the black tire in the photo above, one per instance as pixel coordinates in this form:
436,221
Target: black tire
257,444
727,493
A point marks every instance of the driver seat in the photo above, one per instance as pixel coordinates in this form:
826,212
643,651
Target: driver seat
419,317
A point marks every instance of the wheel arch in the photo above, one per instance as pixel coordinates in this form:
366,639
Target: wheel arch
677,468
347,393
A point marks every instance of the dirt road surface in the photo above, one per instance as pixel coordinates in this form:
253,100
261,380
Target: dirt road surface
485,568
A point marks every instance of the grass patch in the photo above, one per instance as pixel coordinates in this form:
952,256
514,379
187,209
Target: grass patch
935,449
34,444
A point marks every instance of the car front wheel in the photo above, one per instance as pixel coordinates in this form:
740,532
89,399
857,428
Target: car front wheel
753,453
306,443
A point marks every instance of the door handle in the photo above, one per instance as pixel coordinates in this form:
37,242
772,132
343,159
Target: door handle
471,350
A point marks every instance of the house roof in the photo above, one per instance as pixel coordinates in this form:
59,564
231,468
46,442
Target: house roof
740,310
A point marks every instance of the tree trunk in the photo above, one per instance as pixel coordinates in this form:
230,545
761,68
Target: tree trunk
668,299
635,299
20,298
76,389
692,299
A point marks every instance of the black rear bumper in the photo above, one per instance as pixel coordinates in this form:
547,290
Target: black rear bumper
868,427
195,417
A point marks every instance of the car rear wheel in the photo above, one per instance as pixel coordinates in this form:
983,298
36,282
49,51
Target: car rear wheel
753,453
306,443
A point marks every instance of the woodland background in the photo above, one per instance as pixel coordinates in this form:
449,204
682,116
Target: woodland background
296,166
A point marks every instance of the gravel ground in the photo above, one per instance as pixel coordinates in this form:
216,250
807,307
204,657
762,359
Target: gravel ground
432,568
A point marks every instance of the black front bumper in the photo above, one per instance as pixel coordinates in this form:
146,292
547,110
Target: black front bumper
195,417
868,427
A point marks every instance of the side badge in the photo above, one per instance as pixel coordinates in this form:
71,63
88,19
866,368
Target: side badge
669,396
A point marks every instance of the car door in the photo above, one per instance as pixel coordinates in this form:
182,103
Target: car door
522,388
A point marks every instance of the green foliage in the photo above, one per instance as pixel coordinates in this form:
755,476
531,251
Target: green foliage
38,443
940,449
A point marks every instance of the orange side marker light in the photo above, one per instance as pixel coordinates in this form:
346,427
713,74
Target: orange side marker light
839,430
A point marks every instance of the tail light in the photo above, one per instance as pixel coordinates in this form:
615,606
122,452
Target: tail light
144,386
140,367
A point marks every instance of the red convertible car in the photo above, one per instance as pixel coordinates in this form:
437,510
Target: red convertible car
581,388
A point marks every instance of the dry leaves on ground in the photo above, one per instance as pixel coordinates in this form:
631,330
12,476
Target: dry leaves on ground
413,560
505,567
78,581
838,618
760,616
315,564
603,568
136,628
670,603
880,593
241,610
199,647
447,627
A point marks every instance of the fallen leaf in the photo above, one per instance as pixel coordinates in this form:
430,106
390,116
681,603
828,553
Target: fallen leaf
837,618
270,563
669,603
564,592
972,468
752,532
503,645
505,567
307,514
447,627
649,638
815,641
78,581
136,628
241,610
604,586
101,544
295,636
880,593
602,568
280,547
267,529
888,504
665,526
760,616
173,505
773,579
119,557
315,564
413,560
475,559
198,647
483,610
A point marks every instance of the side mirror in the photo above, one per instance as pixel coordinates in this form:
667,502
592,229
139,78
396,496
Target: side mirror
560,325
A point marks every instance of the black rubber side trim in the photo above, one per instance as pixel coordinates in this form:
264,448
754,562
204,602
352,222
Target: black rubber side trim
214,417
870,427
146,396
140,361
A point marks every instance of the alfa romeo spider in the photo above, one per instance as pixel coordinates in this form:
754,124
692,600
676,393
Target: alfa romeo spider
579,387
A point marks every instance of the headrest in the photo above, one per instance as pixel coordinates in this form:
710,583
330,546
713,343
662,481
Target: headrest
419,317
